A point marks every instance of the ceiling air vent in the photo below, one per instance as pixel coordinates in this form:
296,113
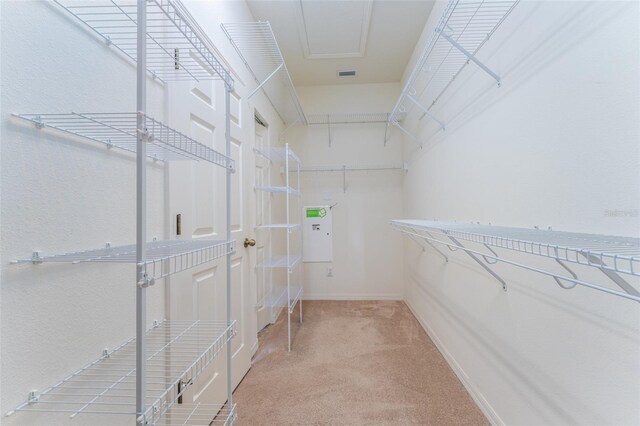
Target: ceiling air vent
347,73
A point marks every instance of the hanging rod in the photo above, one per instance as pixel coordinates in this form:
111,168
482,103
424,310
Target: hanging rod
402,167
345,169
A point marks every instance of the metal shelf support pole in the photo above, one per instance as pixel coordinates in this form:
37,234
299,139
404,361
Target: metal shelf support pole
425,111
141,211
471,57
289,271
227,118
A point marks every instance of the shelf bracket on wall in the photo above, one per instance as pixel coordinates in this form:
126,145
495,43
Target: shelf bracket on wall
612,275
265,81
329,128
474,257
470,56
408,133
433,246
425,111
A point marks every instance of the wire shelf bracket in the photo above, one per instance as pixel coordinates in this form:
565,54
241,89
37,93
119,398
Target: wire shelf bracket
611,255
344,169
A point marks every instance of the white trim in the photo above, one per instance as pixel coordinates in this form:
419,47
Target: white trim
304,37
475,393
353,296
254,347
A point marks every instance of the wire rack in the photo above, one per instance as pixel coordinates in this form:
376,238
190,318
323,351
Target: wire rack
310,169
277,154
289,262
289,226
279,189
176,353
348,118
465,26
611,254
119,130
163,258
177,48
257,47
199,415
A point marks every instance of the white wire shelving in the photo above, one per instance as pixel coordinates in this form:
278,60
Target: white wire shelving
464,27
177,352
278,154
345,169
257,47
163,258
176,47
348,118
148,374
333,119
288,226
610,254
288,262
292,260
119,130
197,414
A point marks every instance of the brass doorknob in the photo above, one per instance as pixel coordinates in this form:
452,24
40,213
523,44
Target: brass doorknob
248,242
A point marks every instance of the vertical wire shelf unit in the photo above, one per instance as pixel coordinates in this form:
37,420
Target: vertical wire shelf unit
256,45
464,27
292,261
146,376
614,256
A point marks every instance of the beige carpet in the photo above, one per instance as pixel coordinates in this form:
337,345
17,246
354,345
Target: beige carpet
352,363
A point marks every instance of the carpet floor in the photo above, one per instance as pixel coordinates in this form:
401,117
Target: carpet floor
352,363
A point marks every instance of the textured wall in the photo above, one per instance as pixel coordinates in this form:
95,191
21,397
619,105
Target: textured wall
366,252
556,145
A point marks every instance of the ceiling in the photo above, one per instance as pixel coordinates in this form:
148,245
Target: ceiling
318,38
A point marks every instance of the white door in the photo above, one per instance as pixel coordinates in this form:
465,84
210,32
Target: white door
262,214
197,193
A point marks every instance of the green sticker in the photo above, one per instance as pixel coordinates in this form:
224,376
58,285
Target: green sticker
322,212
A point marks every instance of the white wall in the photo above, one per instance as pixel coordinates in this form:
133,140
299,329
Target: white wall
366,252
556,145
60,194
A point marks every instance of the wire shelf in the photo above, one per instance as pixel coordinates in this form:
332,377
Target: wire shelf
278,299
279,189
197,414
177,48
257,47
469,23
278,154
290,226
119,130
176,353
289,262
163,258
348,118
309,169
611,254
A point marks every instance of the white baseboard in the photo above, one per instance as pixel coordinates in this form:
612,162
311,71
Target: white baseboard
254,347
356,296
475,393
